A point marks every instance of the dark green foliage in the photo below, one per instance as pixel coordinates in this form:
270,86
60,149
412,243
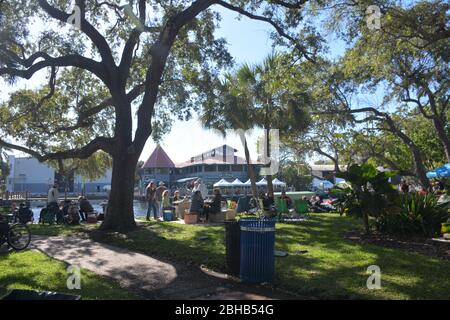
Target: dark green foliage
415,215
370,192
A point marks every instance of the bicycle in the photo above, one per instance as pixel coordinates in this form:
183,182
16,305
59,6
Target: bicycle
16,235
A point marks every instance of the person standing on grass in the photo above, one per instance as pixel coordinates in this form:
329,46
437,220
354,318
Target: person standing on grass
53,196
150,193
158,196
85,208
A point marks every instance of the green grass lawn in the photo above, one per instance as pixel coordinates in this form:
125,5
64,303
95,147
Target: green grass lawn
332,268
35,271
59,230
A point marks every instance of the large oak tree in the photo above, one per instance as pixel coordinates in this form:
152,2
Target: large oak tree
162,59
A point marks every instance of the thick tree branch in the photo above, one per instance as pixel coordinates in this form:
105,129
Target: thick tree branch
277,27
160,51
99,143
95,36
71,60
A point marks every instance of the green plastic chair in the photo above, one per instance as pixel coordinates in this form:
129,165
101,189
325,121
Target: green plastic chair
301,206
282,206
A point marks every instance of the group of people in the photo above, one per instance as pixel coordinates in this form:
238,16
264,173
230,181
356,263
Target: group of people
21,214
199,206
159,199
436,186
67,211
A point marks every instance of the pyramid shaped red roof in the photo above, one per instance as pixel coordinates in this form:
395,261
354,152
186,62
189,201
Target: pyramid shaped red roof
159,159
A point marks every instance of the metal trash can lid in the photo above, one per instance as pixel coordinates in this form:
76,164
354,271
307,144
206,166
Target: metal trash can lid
256,229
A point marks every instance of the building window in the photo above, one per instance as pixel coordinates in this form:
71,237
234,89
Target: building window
211,168
223,167
237,167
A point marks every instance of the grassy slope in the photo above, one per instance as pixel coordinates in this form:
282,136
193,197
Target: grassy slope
34,270
332,267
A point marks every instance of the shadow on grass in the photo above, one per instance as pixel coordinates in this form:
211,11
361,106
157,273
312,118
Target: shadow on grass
331,267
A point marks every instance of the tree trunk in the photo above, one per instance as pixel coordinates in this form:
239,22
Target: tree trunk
269,177
419,167
366,222
120,214
442,135
250,171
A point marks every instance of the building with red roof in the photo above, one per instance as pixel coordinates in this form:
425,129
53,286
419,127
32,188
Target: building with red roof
210,166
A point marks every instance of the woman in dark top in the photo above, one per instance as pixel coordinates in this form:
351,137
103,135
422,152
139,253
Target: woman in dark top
216,204
176,196
197,204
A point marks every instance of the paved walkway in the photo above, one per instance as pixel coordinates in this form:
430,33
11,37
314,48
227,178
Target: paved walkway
149,277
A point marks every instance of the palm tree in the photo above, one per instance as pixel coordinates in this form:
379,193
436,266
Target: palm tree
271,100
259,96
231,112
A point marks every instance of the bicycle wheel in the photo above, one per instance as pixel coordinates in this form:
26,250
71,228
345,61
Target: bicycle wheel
19,236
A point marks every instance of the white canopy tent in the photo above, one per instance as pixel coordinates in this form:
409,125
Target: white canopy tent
277,182
222,183
262,182
237,183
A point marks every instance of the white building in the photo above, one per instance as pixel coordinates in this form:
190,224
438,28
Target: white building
325,171
28,174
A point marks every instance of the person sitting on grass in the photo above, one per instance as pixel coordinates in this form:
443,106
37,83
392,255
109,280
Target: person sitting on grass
73,214
24,214
268,204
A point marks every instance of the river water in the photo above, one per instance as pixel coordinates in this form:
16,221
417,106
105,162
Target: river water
140,208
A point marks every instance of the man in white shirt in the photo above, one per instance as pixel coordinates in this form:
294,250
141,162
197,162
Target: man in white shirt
53,195
201,187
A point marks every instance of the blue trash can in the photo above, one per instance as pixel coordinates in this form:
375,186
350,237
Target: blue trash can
168,215
257,250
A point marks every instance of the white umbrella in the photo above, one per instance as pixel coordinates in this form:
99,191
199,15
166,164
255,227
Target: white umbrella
222,183
247,183
277,182
237,182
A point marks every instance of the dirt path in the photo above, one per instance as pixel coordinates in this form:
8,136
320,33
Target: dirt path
149,277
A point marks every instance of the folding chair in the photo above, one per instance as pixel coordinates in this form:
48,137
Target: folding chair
301,207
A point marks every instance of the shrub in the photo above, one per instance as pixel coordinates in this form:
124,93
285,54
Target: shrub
415,215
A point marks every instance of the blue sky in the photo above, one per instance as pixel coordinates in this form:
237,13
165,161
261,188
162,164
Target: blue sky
249,42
